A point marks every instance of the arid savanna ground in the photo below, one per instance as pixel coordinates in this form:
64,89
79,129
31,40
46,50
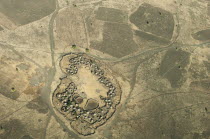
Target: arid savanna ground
157,50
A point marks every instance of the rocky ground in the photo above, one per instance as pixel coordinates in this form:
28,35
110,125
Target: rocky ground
159,52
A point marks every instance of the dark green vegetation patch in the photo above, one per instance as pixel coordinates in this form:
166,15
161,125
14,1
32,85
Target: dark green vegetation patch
151,37
117,40
110,14
12,129
204,84
26,137
173,66
26,11
202,35
38,105
154,20
9,92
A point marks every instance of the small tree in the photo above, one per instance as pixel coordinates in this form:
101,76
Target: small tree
74,46
12,89
87,50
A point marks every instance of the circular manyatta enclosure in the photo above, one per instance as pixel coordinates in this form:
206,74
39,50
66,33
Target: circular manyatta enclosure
89,93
